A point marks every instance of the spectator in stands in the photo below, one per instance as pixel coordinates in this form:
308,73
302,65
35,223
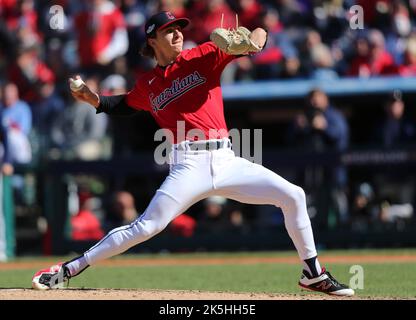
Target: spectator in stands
237,221
408,68
295,12
321,124
322,128
267,63
17,119
5,159
249,13
102,35
329,18
21,20
29,72
78,133
364,208
290,68
176,7
121,127
396,130
220,215
85,224
213,218
205,17
6,170
359,64
279,59
56,54
122,210
322,63
113,85
135,15
372,58
45,113
397,34
376,12
184,226
312,40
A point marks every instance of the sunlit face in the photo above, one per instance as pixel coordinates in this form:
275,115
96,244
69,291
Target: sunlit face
319,100
396,109
168,41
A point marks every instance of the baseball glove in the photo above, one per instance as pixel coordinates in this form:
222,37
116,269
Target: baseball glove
234,41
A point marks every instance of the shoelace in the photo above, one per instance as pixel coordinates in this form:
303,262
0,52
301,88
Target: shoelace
67,276
334,281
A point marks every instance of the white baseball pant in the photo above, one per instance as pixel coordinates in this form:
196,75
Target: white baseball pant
195,175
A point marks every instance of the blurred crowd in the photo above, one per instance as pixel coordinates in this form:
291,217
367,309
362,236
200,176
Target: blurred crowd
43,43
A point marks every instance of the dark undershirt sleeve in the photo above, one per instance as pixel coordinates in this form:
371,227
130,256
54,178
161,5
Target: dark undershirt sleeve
115,105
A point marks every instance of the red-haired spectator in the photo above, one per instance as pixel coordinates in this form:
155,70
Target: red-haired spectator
102,34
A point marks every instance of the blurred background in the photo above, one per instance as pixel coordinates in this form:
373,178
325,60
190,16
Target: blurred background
334,94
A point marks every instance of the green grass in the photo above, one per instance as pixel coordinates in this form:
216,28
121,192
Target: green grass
380,279
290,253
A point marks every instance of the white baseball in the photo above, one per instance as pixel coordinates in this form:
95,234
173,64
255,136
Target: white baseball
76,84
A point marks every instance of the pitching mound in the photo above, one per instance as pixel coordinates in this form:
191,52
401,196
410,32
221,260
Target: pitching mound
130,294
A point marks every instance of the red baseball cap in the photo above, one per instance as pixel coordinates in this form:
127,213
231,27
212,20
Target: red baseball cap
162,20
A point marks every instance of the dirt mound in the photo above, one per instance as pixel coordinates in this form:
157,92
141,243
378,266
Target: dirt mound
134,294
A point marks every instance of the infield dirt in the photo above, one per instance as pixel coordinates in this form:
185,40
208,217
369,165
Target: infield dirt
130,294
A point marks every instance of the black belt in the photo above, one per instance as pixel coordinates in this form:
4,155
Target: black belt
206,145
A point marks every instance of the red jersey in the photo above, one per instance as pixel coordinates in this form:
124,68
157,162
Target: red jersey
95,31
187,90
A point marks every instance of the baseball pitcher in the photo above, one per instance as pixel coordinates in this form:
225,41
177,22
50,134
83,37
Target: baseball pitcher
185,86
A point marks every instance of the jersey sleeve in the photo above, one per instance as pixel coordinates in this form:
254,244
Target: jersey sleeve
218,58
137,98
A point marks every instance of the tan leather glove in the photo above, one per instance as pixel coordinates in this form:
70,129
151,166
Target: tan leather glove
234,41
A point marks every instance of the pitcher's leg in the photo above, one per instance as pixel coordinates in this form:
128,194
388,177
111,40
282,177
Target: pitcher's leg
252,183
161,210
176,195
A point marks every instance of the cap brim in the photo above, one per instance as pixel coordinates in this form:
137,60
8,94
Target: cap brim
182,22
